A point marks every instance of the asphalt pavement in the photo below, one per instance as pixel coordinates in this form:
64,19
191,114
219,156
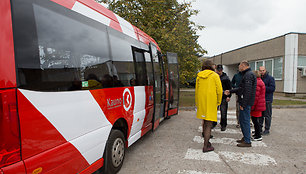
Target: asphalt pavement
176,148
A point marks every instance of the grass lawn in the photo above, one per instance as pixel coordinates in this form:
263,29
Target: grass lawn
187,100
288,102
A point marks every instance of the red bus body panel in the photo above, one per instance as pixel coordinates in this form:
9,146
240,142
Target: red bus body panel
7,61
17,168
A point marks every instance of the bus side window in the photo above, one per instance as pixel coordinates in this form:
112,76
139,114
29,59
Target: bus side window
140,68
122,58
149,67
71,52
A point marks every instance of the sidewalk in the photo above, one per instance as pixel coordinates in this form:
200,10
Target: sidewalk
288,98
232,103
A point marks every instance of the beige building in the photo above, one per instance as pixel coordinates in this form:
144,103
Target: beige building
284,58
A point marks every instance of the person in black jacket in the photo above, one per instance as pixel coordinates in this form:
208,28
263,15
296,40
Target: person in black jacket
270,88
235,84
226,85
246,96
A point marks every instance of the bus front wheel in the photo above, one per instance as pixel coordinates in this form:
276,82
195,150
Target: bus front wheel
114,152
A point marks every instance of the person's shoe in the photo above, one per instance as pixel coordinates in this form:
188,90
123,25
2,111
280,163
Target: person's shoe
208,149
244,144
266,132
240,141
257,138
223,128
209,144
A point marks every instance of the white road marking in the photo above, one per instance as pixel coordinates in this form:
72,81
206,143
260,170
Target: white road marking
228,141
228,116
217,130
246,158
249,158
194,172
229,122
197,154
228,112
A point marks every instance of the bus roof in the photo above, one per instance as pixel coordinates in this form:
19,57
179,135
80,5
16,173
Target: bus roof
98,12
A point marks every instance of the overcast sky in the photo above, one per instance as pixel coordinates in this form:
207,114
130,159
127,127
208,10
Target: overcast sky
231,24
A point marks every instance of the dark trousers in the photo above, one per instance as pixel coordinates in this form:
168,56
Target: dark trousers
223,110
237,109
266,117
255,121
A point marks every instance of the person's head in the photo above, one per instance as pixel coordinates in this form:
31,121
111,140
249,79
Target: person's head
243,65
219,69
262,70
257,73
208,64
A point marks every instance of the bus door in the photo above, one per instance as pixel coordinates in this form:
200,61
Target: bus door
173,84
159,86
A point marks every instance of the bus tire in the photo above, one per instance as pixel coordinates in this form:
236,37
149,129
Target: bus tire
114,152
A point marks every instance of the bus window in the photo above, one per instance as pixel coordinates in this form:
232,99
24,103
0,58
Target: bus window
122,57
140,68
74,58
149,67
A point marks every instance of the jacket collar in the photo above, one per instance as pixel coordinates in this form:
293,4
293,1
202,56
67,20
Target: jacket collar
243,72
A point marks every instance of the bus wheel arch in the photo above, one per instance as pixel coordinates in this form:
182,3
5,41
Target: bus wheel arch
115,148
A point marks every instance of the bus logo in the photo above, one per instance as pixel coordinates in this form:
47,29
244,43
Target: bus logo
127,99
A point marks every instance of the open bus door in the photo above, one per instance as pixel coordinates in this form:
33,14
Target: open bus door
173,84
159,86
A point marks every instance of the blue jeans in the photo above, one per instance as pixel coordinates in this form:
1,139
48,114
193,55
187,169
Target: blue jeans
244,120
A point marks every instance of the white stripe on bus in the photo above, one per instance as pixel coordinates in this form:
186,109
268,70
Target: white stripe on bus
88,12
74,114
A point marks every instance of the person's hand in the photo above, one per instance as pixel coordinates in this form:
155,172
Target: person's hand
228,99
241,108
227,92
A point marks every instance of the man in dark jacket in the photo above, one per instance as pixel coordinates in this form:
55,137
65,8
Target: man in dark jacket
270,88
226,85
246,96
235,84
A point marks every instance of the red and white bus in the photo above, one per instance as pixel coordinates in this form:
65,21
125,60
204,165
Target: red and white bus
78,85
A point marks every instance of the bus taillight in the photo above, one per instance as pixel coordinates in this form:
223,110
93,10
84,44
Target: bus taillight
9,128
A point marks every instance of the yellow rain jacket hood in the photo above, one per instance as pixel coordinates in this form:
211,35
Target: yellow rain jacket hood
208,95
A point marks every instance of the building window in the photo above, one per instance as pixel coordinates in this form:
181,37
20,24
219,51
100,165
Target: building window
269,66
252,65
273,66
259,64
278,68
302,61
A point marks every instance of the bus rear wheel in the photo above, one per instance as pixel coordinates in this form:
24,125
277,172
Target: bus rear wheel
114,152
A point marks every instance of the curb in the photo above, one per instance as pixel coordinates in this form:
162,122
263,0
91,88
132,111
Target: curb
273,106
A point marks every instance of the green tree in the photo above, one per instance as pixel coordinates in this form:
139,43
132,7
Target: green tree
168,23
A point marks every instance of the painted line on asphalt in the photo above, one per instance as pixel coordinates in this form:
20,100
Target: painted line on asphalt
245,158
229,112
194,172
249,158
229,122
197,154
229,131
227,141
228,116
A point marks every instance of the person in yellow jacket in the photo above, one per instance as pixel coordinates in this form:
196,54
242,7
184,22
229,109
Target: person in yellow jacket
208,96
